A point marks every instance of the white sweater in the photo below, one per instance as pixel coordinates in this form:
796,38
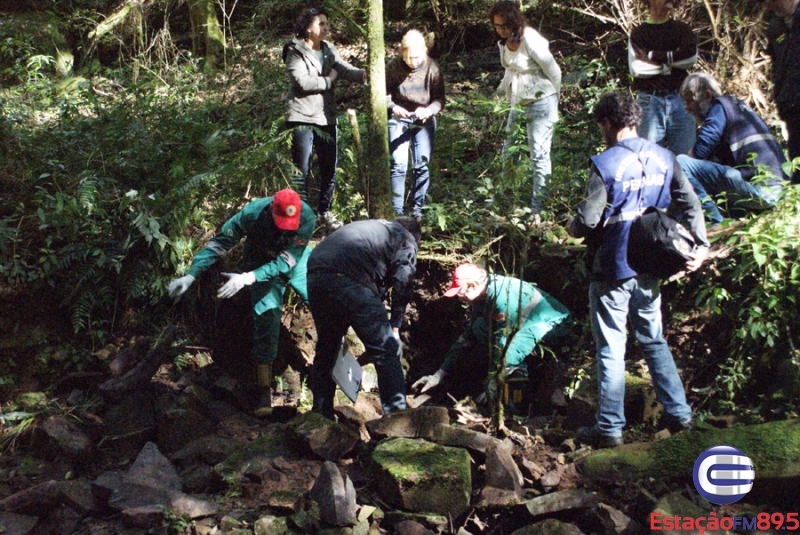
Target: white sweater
531,72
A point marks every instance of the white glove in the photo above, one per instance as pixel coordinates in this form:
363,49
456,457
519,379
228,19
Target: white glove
236,281
396,335
428,382
178,287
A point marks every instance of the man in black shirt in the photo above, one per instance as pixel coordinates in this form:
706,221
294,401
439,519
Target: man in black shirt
348,275
659,53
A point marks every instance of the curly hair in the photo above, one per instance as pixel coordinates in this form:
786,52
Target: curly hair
515,20
304,20
619,108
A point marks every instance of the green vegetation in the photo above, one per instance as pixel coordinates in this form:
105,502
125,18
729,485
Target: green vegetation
117,167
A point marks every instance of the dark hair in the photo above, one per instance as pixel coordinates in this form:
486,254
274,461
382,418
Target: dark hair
411,224
304,20
514,18
619,108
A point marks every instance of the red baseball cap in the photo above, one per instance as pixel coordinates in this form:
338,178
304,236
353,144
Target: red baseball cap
463,276
286,209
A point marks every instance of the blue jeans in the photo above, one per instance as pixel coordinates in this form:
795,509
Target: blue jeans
323,140
710,178
666,121
610,306
540,116
336,303
419,136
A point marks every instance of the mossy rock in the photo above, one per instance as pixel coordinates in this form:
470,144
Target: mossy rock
773,447
420,476
271,444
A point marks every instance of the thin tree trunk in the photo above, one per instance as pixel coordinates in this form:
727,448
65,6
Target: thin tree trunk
377,142
208,40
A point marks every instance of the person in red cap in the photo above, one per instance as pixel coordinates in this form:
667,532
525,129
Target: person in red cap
278,229
517,314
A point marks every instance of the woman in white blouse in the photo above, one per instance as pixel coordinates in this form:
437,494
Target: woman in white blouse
532,81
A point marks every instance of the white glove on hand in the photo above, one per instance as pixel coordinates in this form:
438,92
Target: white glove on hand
178,287
428,382
236,281
396,335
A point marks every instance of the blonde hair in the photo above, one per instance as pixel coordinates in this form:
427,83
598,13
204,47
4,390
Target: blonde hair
413,39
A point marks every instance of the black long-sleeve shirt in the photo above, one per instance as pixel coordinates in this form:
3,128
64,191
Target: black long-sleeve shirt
376,253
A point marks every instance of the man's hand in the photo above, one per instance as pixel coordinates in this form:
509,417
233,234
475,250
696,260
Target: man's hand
429,381
178,287
333,75
697,259
236,281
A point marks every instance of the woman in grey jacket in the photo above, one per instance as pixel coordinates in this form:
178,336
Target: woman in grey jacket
314,65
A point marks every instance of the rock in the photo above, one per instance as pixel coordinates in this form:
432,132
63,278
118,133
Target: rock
33,500
409,527
534,471
210,449
287,501
127,358
105,485
62,520
184,420
550,480
68,439
369,379
362,528
147,481
229,390
640,400
418,476
674,504
306,520
411,423
550,526
462,437
31,401
722,422
189,506
272,525
662,435
615,522
431,521
335,496
776,482
503,478
202,478
561,501
76,398
244,459
326,438
145,516
14,524
78,495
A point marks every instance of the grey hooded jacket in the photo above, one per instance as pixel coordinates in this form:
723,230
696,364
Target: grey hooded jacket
310,90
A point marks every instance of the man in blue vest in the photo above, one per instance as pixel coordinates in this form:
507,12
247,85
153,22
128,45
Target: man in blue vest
730,132
631,175
509,315
275,254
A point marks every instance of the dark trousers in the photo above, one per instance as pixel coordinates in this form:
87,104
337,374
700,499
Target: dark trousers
322,139
337,303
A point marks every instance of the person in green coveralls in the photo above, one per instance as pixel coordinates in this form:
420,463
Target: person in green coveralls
500,305
276,251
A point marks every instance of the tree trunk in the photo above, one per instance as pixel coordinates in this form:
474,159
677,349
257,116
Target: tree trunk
378,194
208,40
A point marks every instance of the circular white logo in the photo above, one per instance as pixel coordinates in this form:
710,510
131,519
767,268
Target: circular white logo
291,210
723,474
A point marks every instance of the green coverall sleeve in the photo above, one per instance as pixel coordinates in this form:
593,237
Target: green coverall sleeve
232,232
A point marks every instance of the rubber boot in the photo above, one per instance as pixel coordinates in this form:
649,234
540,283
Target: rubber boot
264,407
